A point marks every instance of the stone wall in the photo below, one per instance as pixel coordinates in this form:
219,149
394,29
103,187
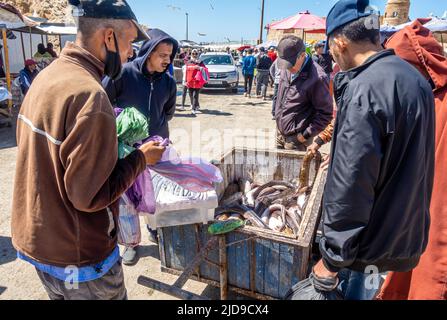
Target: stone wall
397,12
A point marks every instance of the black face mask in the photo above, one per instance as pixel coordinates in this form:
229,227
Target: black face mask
113,62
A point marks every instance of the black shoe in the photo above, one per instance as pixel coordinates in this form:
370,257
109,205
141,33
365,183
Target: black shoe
153,235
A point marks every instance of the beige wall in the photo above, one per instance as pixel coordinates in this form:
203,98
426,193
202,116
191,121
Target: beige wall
277,35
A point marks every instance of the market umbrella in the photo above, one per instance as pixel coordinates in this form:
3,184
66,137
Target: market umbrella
303,20
244,48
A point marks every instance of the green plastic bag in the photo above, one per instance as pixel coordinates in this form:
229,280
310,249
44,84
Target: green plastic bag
132,126
223,227
124,150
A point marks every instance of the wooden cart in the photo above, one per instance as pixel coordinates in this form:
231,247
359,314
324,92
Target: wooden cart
257,263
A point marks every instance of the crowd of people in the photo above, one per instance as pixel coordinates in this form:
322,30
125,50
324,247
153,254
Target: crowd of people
383,208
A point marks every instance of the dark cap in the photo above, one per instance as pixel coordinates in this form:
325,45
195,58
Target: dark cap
289,49
108,9
344,12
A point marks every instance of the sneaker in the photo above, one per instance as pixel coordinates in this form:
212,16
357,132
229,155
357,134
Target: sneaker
245,94
193,112
130,256
153,236
182,108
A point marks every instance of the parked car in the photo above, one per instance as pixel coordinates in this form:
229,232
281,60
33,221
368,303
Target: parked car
223,71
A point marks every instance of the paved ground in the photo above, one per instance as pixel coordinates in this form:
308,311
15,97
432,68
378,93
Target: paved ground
207,135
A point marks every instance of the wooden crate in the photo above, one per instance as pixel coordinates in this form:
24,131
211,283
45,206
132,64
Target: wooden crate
261,264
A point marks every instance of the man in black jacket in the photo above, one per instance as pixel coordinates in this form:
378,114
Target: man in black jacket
380,179
263,64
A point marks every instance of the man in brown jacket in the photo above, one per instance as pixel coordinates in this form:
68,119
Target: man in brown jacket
64,221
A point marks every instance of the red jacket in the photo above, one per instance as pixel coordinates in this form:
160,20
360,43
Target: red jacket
195,78
428,281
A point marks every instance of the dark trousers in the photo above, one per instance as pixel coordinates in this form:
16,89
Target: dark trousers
110,287
275,97
185,92
248,83
194,96
262,82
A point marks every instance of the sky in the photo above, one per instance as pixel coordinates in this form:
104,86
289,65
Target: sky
221,20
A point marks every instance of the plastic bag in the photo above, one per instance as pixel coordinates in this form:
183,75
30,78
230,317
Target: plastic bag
141,194
315,289
193,174
132,126
129,232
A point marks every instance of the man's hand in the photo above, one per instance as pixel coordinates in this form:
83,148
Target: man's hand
326,162
314,147
301,138
321,272
152,152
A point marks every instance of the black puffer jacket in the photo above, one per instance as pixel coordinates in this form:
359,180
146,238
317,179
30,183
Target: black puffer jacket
377,197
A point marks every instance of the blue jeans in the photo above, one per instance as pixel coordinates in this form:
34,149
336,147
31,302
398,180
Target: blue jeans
355,285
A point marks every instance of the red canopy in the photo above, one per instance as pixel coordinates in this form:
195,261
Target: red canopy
303,20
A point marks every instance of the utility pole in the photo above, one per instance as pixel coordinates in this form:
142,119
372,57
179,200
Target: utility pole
262,22
187,26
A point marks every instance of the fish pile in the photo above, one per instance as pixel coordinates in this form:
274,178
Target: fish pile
276,205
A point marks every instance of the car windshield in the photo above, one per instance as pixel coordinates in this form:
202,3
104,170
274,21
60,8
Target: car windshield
217,60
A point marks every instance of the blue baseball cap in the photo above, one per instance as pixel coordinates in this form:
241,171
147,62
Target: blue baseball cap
344,12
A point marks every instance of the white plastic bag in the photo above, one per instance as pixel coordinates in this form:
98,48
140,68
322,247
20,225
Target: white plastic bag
129,232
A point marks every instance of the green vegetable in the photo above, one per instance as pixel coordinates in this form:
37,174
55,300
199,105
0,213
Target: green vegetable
223,227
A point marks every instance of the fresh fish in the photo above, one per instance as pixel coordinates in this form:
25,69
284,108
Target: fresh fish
282,211
230,191
271,184
266,216
245,185
302,199
275,222
250,198
235,199
294,221
252,216
266,191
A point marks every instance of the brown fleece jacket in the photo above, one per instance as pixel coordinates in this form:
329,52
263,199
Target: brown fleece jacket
68,174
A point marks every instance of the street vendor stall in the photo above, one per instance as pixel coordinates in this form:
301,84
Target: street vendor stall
257,262
10,18
305,22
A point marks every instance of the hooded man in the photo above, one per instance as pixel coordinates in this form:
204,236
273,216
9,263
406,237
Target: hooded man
146,85
428,281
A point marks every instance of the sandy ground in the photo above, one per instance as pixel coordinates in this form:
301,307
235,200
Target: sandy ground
227,120
207,135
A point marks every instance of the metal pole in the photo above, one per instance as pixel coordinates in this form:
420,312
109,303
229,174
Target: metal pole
30,43
261,33
187,26
23,47
8,70
223,268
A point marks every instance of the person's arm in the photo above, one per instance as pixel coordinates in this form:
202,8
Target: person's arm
350,190
323,104
170,105
326,136
273,70
94,177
